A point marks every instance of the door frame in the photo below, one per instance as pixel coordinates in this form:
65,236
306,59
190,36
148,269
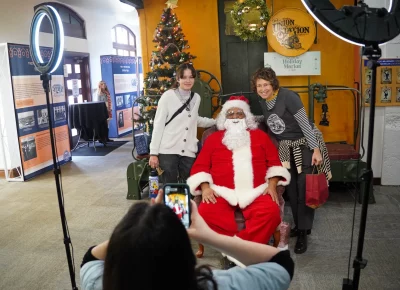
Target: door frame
85,74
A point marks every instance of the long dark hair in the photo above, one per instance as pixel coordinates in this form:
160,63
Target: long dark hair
181,70
150,249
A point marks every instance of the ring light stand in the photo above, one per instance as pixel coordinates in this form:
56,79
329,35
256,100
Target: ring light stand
46,69
367,27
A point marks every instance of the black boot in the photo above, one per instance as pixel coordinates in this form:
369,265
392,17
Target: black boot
301,244
295,232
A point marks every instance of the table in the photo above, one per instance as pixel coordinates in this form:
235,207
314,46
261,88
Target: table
90,119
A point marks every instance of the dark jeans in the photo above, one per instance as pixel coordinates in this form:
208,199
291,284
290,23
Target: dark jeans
176,167
303,215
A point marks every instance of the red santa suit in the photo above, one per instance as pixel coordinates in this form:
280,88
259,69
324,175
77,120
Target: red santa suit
239,177
178,210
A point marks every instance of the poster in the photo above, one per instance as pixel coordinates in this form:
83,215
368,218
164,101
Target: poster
121,76
31,112
387,82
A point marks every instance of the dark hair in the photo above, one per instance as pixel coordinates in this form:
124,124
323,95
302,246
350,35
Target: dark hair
148,249
181,70
267,74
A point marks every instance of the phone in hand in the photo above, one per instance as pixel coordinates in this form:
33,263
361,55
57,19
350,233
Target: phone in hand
177,197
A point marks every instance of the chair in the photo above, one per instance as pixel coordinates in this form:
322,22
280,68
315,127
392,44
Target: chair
238,214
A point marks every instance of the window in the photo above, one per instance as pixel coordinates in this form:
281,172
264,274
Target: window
124,41
74,25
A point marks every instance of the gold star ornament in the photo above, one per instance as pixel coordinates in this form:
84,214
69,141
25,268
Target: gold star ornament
172,4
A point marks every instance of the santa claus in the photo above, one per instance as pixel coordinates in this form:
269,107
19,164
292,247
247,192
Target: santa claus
239,166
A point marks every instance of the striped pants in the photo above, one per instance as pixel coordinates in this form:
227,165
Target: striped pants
303,215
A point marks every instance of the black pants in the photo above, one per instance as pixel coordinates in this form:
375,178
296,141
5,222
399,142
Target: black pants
303,215
176,167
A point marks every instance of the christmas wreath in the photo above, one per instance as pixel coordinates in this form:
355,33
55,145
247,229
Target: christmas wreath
246,29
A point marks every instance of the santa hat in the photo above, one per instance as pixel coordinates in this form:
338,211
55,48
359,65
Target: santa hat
240,102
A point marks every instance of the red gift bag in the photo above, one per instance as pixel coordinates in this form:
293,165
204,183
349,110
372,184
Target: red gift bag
317,191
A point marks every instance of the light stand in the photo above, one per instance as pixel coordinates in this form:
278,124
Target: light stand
368,27
373,53
46,68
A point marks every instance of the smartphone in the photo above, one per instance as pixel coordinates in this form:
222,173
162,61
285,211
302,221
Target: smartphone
177,197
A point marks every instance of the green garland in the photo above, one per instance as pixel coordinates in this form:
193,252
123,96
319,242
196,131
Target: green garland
242,28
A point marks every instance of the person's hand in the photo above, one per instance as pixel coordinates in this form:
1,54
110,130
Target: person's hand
316,157
199,230
153,161
159,198
208,195
271,190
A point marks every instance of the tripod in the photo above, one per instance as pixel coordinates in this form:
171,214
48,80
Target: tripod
373,53
46,78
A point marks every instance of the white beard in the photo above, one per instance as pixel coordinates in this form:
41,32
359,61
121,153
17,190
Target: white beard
236,134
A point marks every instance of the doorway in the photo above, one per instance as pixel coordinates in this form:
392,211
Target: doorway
239,59
76,83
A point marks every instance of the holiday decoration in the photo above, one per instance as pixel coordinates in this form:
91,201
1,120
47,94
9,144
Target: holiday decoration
172,4
250,18
169,54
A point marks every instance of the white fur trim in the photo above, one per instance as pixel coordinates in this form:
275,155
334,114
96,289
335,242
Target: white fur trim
195,180
228,194
243,176
236,104
243,168
278,171
246,197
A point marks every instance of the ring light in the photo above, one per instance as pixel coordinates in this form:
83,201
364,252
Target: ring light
46,69
58,34
359,25
369,28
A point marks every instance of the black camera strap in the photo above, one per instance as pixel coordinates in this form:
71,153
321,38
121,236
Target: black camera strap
181,108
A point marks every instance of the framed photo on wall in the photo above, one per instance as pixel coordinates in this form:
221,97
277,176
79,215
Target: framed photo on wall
368,76
367,95
386,77
386,94
398,75
387,83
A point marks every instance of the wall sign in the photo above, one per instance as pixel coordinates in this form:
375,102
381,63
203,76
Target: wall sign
291,32
307,64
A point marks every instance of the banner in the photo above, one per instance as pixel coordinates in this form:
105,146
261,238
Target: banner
31,112
120,75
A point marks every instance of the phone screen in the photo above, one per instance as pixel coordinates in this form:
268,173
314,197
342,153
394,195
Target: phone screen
176,197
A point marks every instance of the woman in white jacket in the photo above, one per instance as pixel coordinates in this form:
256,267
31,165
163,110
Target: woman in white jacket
173,144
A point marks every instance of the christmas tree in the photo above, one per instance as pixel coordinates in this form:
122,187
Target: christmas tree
169,54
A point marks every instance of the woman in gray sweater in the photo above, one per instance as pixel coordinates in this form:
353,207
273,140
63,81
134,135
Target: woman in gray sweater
301,146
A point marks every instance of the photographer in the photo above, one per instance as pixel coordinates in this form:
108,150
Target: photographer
150,248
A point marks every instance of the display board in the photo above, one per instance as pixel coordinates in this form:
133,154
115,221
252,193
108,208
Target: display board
387,83
31,113
121,77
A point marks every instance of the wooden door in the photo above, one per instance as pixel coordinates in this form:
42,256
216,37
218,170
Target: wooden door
239,59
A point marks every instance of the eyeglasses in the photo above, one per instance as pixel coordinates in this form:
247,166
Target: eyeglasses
231,114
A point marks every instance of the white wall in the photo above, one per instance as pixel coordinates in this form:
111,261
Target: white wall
100,17
386,152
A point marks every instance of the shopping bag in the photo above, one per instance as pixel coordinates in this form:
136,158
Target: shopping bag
317,191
